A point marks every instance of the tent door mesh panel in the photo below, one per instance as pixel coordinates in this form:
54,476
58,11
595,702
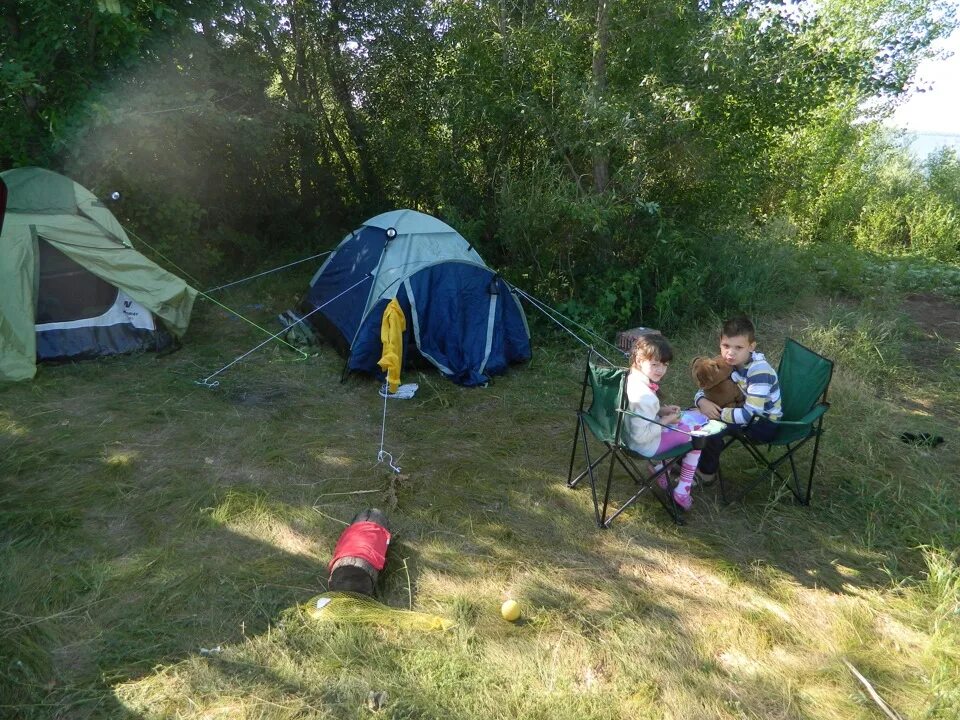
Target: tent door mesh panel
67,291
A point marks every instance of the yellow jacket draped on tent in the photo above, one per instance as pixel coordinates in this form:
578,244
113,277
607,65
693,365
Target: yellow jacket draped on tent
391,335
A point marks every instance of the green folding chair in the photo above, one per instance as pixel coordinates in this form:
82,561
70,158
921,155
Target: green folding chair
602,420
804,378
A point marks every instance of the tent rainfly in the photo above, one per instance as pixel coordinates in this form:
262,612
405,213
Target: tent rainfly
71,284
460,315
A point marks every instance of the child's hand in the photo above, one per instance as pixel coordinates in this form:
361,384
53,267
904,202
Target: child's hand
671,419
669,410
709,408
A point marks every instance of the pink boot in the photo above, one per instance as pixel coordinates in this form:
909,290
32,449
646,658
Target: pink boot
681,494
683,499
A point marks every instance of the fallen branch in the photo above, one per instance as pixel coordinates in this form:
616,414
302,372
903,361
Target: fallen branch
888,711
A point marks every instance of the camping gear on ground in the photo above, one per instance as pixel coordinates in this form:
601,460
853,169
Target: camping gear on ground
603,420
627,338
71,284
360,554
298,333
922,439
404,392
461,316
804,379
345,607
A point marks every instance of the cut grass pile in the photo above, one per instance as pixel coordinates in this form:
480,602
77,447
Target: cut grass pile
158,542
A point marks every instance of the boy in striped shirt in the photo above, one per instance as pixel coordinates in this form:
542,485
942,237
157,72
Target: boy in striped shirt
758,381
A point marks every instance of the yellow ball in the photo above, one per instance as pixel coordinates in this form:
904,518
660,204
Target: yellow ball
510,610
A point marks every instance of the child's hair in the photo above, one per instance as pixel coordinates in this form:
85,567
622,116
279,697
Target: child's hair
739,325
651,346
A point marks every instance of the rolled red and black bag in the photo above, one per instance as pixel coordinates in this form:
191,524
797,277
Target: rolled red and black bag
360,554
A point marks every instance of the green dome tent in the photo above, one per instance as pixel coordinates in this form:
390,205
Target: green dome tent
71,284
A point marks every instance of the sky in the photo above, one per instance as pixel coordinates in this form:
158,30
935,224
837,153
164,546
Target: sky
937,110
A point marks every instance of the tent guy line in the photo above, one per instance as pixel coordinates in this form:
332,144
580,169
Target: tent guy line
543,307
217,302
383,454
267,272
275,336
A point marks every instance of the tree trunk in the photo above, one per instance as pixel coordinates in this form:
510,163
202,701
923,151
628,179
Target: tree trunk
342,93
29,99
332,138
601,157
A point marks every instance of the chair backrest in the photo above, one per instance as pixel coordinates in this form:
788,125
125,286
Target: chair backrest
804,378
606,385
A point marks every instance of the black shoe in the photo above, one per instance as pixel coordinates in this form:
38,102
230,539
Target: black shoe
924,439
704,482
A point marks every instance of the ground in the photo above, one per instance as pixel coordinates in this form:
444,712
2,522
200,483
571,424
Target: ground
146,520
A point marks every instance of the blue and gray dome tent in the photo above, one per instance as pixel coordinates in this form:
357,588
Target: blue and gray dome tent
461,316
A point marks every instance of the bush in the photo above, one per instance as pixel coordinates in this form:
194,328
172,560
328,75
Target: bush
686,276
876,196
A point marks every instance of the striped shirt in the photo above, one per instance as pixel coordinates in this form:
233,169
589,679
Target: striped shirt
761,391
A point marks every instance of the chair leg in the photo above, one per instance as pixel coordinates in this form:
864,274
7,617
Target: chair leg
602,517
813,462
573,453
589,470
591,464
648,482
727,497
771,470
795,477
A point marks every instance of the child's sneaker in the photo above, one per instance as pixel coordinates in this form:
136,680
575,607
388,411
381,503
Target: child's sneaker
684,500
659,474
671,472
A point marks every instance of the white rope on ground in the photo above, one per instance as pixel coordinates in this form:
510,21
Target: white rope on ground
267,272
383,454
206,381
547,310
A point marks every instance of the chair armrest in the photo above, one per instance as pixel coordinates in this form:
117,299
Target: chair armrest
655,422
808,419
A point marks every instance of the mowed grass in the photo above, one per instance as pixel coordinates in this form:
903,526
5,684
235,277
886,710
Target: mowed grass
159,539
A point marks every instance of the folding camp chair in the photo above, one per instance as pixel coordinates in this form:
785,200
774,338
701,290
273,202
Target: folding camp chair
804,377
603,420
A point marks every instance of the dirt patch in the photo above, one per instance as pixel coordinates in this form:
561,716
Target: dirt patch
938,320
937,317
935,349
254,396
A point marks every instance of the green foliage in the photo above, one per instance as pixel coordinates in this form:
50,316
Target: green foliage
845,271
681,276
621,158
860,186
904,213
56,55
867,343
942,169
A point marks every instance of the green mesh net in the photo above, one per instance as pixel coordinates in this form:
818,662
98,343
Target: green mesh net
354,608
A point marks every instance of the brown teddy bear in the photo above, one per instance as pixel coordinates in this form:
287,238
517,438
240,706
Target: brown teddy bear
713,377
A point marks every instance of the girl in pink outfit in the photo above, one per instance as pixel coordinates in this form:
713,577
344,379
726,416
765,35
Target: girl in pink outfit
649,361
